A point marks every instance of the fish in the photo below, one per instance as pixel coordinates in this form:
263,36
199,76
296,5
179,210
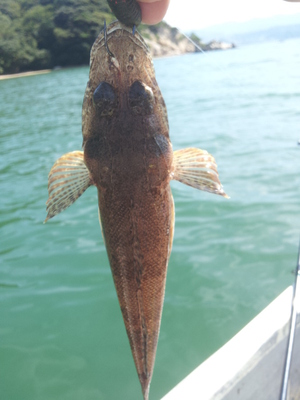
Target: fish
127,155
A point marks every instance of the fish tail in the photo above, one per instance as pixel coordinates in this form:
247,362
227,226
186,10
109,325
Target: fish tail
146,391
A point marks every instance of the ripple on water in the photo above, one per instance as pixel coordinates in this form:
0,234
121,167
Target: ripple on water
230,258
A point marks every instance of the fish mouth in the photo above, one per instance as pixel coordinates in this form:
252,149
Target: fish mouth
115,25
117,29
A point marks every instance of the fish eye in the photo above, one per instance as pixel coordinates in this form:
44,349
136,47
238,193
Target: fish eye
105,99
141,98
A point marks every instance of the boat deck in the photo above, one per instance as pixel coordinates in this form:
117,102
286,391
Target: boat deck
250,365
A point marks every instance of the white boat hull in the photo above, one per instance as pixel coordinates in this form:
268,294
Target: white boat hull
250,365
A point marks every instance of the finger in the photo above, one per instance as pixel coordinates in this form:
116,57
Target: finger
153,11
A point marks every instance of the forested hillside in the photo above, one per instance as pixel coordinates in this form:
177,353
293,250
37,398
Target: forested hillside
37,34
43,34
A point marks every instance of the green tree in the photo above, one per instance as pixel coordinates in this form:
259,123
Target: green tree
77,24
10,8
37,34
197,40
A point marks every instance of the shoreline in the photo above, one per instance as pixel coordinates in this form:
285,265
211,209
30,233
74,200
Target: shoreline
22,74
154,57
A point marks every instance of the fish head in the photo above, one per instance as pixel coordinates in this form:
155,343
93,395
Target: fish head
124,117
121,82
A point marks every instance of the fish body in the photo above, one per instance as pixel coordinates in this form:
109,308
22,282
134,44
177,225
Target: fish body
128,156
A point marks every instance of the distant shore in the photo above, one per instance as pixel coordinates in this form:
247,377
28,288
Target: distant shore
22,74
167,46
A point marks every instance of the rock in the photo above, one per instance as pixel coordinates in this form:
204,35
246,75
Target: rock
214,45
164,40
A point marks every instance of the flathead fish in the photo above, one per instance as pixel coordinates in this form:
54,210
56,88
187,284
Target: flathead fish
128,156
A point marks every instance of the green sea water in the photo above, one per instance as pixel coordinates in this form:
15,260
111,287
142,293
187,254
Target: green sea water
62,335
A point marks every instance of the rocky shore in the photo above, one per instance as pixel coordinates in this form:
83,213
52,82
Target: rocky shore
166,41
163,41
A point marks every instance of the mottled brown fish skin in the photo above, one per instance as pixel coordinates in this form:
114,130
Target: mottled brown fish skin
129,156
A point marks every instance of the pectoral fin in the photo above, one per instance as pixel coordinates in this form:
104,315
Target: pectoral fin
67,180
197,168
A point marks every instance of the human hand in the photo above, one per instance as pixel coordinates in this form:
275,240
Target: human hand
153,11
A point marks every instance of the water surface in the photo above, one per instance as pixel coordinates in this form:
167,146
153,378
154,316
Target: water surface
61,331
